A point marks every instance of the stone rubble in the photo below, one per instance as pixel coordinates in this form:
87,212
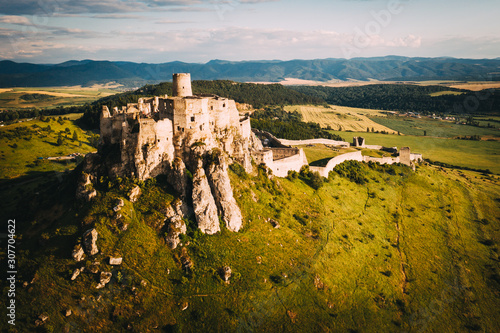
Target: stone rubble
115,261
78,254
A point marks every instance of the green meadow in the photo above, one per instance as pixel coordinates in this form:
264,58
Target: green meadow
434,127
24,142
473,154
404,251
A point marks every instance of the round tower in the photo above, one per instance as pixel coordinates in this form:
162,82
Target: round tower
181,85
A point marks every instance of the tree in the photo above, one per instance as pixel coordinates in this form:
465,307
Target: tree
425,133
368,129
373,130
75,136
60,140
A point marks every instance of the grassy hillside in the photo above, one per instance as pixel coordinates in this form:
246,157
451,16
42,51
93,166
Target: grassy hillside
403,252
23,143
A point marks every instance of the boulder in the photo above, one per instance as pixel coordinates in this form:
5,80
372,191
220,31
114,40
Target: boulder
118,205
223,192
89,240
134,194
115,261
187,263
225,273
104,278
76,272
68,312
274,223
78,254
176,227
205,209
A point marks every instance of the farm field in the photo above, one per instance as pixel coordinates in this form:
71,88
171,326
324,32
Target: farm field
22,98
467,153
433,127
350,119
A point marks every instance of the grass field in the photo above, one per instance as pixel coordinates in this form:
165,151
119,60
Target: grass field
22,98
403,252
441,93
472,154
22,143
351,119
433,127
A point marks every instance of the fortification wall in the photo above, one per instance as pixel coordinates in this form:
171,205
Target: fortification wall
416,158
314,141
375,147
281,167
245,128
280,153
264,156
275,142
381,160
324,171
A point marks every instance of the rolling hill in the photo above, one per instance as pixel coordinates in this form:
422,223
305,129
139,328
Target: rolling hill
130,74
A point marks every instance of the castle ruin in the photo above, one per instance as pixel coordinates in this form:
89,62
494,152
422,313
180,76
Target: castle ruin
170,135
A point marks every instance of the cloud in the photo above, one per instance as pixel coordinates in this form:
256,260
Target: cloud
14,19
118,16
52,7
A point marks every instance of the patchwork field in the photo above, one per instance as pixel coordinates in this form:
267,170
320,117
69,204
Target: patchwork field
434,127
22,98
350,119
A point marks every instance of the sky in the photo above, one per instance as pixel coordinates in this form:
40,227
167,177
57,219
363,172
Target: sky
157,31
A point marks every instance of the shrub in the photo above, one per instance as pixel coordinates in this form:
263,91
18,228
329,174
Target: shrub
353,170
238,170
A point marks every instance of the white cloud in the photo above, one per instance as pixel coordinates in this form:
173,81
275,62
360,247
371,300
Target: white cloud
15,19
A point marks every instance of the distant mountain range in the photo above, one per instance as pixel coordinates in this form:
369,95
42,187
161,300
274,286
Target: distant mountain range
130,74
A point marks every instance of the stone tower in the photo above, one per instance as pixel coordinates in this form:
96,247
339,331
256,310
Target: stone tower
182,85
405,155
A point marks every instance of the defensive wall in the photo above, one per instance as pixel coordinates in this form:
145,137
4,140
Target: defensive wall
342,144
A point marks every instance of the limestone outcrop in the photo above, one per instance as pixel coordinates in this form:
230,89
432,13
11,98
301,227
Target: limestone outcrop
85,190
78,254
205,209
178,177
134,194
104,279
220,184
173,137
175,228
89,240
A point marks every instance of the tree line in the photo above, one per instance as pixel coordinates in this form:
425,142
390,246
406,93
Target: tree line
288,125
408,98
